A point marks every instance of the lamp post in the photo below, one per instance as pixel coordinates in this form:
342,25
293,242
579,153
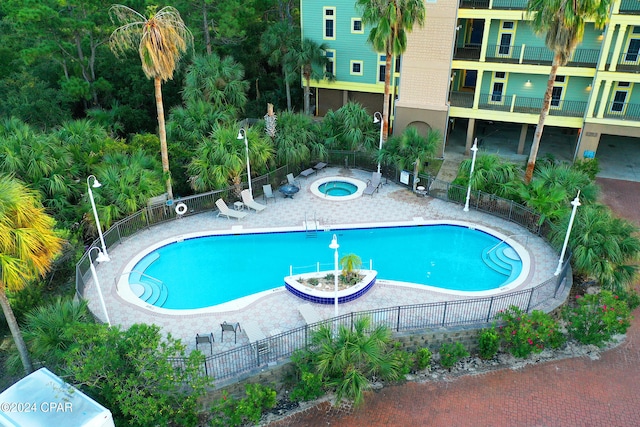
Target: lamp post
575,203
379,120
242,133
100,258
334,245
97,184
473,164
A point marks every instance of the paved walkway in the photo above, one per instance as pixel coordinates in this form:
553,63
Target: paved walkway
278,310
571,392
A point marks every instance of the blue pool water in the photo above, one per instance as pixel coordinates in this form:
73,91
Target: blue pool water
337,188
207,271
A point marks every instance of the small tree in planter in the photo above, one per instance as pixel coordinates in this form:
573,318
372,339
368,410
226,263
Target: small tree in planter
351,264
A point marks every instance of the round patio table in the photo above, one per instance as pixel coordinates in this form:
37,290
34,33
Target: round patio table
288,190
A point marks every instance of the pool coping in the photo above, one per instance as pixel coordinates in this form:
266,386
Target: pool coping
124,292
314,188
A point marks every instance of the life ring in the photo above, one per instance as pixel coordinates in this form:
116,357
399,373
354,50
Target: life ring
181,209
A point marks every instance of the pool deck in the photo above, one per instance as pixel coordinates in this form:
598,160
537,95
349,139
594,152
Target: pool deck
278,311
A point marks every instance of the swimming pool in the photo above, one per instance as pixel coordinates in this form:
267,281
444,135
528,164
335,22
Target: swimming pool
210,270
338,188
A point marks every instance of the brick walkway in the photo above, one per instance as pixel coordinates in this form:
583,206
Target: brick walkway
570,392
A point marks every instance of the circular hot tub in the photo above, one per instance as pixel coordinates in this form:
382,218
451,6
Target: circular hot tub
338,188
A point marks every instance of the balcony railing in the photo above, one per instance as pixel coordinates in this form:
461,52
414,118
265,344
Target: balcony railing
518,104
629,61
620,111
468,51
631,7
474,4
509,4
538,55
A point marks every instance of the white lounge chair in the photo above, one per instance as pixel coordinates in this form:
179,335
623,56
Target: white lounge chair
291,180
223,209
373,184
248,201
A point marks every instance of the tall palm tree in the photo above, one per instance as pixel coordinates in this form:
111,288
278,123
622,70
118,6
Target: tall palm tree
391,20
276,42
296,141
28,245
563,22
409,149
350,128
492,174
310,57
161,41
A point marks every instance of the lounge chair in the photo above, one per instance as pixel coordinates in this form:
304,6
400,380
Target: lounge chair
205,339
319,166
268,193
248,201
373,184
292,180
223,209
230,327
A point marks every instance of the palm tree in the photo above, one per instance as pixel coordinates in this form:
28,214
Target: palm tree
409,149
350,128
296,140
221,160
28,245
563,22
349,359
276,42
351,264
310,57
492,174
391,20
161,41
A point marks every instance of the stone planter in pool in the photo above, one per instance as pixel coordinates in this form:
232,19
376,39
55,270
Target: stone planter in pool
317,296
337,188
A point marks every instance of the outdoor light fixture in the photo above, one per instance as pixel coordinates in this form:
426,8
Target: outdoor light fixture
334,245
528,83
473,164
96,184
379,120
243,134
100,258
575,203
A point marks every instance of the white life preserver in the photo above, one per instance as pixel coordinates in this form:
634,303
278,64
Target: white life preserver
181,209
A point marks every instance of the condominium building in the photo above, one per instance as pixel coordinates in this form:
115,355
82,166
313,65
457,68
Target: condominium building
478,64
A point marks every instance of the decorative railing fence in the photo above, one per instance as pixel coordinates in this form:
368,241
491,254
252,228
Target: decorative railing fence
465,312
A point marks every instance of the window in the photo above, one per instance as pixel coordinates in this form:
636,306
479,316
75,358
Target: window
505,38
500,75
557,93
356,68
470,78
619,99
356,26
498,87
331,60
382,68
496,93
329,23
507,25
633,51
398,64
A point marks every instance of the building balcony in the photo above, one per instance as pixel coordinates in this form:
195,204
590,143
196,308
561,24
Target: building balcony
470,51
495,4
629,61
523,54
631,7
518,104
620,111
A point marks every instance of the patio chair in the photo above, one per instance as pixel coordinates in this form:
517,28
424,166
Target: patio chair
230,327
248,201
224,210
373,184
268,193
319,166
204,339
292,180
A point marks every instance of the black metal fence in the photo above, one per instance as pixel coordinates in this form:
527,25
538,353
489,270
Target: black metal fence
475,311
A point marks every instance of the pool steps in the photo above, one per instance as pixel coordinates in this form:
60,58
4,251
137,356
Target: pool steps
501,259
154,291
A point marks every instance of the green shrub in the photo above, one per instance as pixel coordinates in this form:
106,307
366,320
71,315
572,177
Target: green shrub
308,385
423,358
597,317
313,281
406,361
631,297
590,167
233,412
450,354
524,333
488,343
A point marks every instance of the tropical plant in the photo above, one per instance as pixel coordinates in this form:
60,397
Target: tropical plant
276,42
423,358
525,333
161,41
28,244
309,56
548,200
603,247
391,20
230,412
131,372
220,159
596,318
451,353
563,22
308,384
571,179
410,149
488,343
350,128
296,141
351,264
491,174
349,357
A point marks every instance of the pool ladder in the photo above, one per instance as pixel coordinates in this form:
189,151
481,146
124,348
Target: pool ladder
311,231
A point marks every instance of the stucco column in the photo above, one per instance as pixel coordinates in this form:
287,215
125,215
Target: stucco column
604,56
478,88
523,137
470,131
345,97
485,39
604,98
595,90
618,47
